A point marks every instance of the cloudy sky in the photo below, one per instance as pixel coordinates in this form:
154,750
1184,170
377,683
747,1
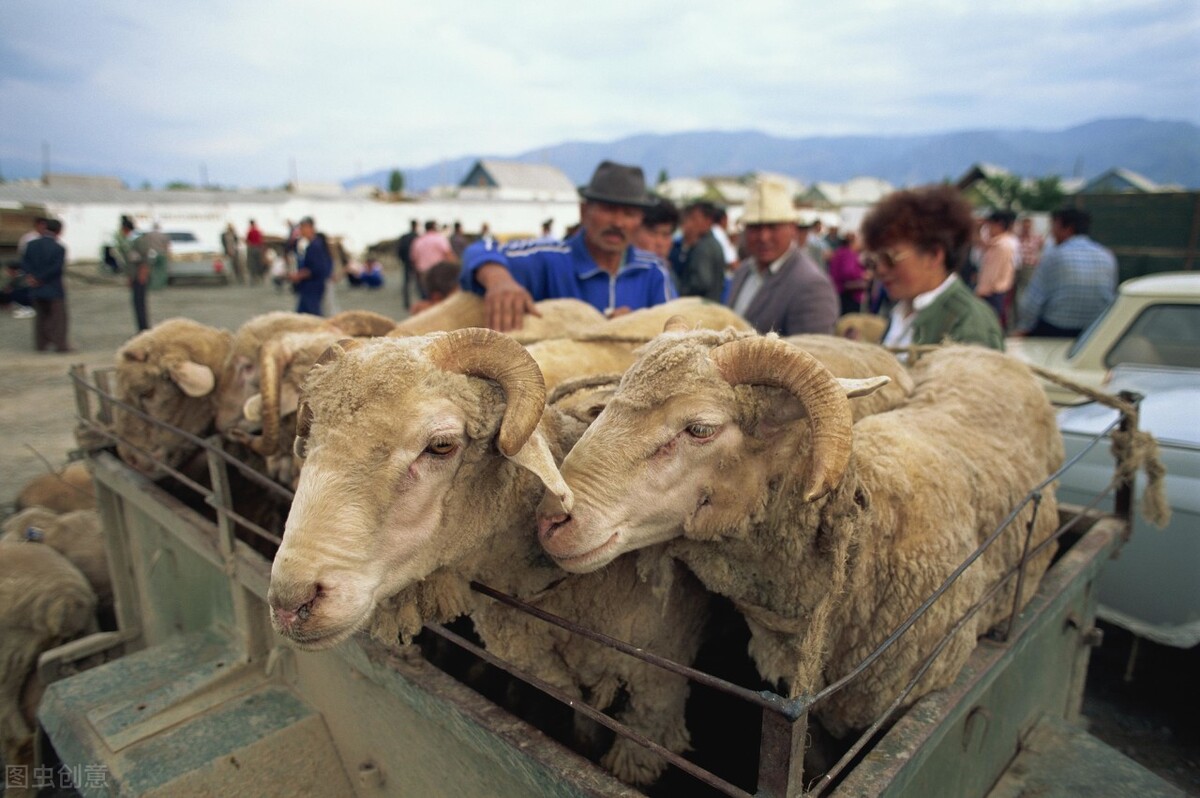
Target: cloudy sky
244,92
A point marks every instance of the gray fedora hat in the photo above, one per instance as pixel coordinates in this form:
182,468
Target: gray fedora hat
618,184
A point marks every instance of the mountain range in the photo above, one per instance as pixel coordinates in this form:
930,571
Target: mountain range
1167,152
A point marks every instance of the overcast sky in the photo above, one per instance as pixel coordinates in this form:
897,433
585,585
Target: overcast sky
239,90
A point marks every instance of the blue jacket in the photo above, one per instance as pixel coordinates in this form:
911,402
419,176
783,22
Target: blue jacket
311,289
566,270
44,259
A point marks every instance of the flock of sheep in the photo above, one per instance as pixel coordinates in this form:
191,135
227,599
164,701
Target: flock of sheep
617,473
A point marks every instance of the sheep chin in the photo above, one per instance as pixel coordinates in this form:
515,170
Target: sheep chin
325,639
592,559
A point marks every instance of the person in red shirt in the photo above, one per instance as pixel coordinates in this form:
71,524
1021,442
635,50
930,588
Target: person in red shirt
254,252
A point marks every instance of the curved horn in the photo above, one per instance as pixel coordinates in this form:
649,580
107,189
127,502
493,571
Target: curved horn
270,376
494,356
676,324
770,361
304,418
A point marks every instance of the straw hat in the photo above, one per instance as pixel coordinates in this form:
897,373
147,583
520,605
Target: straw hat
769,203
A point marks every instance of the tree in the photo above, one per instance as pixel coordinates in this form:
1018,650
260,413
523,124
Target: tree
396,182
1044,194
1004,190
662,177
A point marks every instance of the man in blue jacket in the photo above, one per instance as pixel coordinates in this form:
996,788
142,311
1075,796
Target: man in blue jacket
42,264
316,266
598,265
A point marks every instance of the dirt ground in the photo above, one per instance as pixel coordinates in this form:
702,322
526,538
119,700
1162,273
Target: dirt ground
1152,718
37,403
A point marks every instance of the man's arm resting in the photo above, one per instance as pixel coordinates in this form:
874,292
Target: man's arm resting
505,300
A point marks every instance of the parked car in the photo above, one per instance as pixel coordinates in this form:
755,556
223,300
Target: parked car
1154,321
1152,588
192,259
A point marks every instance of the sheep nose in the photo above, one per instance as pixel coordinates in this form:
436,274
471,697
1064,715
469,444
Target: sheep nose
549,525
290,608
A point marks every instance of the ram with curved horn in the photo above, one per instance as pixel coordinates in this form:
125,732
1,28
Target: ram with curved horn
825,534
425,459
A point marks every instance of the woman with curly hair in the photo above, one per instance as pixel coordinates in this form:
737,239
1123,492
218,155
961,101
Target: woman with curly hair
916,240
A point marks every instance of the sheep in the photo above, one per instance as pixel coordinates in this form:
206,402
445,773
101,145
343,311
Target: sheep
170,373
70,488
609,347
463,309
825,539
397,512
362,323
284,363
239,378
76,535
44,602
604,347
866,327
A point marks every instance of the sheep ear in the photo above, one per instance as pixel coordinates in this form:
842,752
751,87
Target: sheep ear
252,410
857,388
192,378
535,456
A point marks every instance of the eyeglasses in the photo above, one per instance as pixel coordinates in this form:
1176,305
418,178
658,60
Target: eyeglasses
886,257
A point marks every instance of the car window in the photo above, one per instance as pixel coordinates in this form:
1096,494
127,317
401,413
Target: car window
186,238
1162,335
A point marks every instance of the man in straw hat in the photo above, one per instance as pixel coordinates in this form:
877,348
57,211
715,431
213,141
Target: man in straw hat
598,265
778,288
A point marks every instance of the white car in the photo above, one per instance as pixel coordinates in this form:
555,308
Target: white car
1154,321
192,259
1153,587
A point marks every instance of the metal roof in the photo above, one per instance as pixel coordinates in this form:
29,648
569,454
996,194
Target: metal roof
529,176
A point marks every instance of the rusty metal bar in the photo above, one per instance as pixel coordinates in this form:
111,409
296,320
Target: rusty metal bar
591,712
781,756
1022,565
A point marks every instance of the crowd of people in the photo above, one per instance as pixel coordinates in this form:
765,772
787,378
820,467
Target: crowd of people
921,260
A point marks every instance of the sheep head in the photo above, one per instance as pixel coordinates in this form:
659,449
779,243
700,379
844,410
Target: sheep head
697,430
239,378
167,372
401,438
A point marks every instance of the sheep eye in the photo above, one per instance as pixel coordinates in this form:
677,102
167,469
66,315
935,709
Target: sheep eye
441,448
701,431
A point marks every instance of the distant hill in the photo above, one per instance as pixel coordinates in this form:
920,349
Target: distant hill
1164,151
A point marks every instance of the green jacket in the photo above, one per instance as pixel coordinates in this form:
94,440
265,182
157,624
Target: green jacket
957,314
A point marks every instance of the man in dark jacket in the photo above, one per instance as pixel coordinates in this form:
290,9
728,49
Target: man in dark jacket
42,264
404,250
697,257
316,266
